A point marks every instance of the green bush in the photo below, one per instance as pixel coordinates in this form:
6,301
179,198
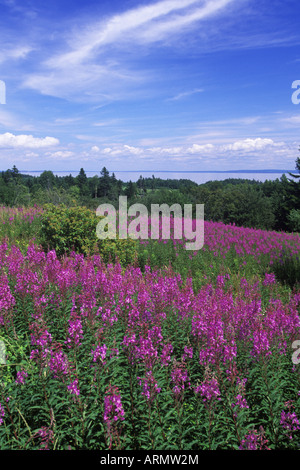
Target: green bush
294,220
287,269
65,229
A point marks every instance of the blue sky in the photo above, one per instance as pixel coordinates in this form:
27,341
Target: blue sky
149,85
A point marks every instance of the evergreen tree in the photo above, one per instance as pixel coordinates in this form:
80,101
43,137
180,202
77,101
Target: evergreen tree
131,189
47,180
105,183
82,182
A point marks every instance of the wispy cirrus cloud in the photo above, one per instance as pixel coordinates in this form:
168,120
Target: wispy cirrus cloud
293,121
185,94
130,25
15,52
98,63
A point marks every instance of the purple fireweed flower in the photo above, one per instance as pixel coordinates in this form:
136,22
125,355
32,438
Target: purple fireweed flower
129,340
73,387
155,335
2,414
113,408
209,388
21,375
269,279
146,352
100,351
34,354
254,441
7,300
75,333
261,345
114,352
188,352
40,336
47,435
58,363
150,387
240,400
179,377
289,420
129,345
166,354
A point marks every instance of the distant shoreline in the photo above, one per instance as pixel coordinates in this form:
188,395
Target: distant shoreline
162,171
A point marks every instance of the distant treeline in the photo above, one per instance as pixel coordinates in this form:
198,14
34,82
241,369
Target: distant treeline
272,205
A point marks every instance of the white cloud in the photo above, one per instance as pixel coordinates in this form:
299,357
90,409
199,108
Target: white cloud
110,122
195,148
15,53
116,28
107,150
255,148
252,144
176,23
31,154
70,120
185,94
123,149
60,154
133,150
166,150
9,140
112,151
293,120
89,69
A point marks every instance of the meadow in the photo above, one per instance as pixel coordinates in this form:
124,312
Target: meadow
155,348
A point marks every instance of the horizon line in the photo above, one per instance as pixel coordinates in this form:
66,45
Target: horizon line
270,170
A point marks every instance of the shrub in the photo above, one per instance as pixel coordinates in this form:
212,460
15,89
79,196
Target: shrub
287,269
65,229
294,220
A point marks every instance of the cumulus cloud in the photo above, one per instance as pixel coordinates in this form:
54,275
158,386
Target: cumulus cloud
196,148
123,149
252,144
106,150
133,150
265,148
9,140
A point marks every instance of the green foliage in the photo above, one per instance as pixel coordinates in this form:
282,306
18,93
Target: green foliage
249,203
19,227
294,220
287,269
65,229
